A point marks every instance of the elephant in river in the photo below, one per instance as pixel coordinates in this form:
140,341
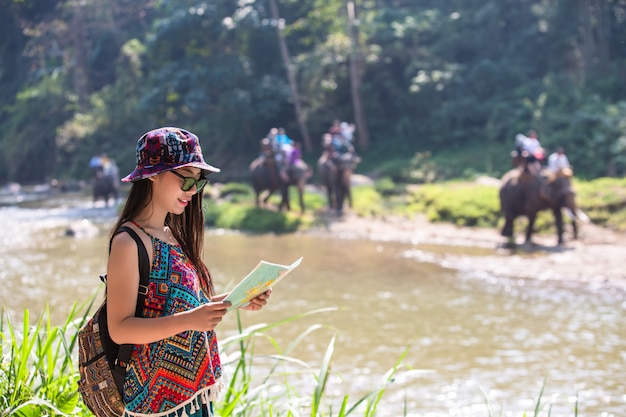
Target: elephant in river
265,176
105,186
525,194
335,174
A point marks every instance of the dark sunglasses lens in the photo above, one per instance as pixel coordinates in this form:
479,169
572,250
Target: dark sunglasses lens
200,184
189,182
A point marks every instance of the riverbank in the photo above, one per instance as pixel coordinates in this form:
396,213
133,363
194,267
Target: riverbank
595,258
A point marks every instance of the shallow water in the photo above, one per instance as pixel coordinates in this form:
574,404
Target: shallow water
468,334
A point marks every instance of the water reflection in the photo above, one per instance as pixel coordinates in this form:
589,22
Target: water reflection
467,333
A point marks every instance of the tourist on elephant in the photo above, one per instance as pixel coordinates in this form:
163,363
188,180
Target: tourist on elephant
531,150
284,147
347,131
335,128
266,153
95,164
557,161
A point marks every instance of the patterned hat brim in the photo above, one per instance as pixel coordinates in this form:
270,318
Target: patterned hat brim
147,172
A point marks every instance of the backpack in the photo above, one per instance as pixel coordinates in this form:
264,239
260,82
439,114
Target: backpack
101,362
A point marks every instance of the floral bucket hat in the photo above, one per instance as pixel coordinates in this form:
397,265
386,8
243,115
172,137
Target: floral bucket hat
165,149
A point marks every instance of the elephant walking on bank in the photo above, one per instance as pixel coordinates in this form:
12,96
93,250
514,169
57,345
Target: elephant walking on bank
335,175
265,176
525,194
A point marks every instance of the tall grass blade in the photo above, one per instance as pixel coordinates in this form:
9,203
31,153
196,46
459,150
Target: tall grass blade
322,378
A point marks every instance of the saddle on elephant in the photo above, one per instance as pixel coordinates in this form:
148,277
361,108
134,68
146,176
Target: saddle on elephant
551,176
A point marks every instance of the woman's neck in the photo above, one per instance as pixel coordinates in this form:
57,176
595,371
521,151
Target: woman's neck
151,220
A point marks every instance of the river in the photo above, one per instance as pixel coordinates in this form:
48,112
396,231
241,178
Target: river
468,334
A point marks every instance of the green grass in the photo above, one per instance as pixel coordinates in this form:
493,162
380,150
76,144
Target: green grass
38,375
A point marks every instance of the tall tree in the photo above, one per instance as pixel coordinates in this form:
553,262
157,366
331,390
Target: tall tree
284,51
356,75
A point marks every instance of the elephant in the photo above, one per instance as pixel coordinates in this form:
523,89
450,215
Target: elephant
523,193
264,175
335,174
105,186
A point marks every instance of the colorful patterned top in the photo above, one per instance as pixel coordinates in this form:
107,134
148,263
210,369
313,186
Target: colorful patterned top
180,373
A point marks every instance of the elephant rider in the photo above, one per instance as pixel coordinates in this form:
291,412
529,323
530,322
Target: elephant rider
339,154
530,149
557,161
266,153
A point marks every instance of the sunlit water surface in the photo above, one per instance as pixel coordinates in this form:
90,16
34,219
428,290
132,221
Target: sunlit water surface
473,342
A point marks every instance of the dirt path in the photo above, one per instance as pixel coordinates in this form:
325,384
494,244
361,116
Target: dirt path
596,258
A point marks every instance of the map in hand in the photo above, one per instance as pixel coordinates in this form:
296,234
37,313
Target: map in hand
262,277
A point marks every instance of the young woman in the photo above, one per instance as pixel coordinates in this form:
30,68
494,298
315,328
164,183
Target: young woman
175,367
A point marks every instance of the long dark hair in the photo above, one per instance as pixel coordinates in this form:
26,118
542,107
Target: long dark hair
187,228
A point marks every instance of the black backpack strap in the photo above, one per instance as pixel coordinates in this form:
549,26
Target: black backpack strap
144,268
124,352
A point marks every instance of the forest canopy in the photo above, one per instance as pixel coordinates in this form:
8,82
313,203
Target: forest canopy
456,79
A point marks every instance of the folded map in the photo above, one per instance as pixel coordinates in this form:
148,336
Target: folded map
262,277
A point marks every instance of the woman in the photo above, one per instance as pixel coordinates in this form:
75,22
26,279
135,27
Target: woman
175,366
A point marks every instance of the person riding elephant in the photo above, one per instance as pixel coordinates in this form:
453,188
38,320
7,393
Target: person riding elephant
105,180
335,171
266,175
528,152
525,194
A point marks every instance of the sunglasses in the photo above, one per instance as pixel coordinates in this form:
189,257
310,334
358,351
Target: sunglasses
189,182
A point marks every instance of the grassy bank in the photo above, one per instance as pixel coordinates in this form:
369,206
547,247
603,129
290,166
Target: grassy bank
39,373
464,203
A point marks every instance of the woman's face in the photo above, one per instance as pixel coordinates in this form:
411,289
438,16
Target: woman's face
168,190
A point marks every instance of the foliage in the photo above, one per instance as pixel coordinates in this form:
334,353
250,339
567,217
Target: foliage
249,218
89,77
37,375
367,201
603,200
464,204
236,192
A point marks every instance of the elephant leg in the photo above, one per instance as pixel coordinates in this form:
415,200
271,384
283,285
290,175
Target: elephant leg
575,228
301,197
339,196
345,184
332,201
507,229
267,197
531,226
558,220
284,201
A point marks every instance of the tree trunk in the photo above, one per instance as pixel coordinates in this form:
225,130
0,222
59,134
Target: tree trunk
80,77
594,29
356,75
290,76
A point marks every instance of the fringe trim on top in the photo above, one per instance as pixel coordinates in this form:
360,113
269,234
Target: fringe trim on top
204,396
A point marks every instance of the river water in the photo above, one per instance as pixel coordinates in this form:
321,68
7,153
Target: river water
471,338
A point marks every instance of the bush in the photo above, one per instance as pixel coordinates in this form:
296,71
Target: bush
458,203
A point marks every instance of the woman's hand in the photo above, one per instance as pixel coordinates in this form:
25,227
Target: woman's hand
207,316
259,301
